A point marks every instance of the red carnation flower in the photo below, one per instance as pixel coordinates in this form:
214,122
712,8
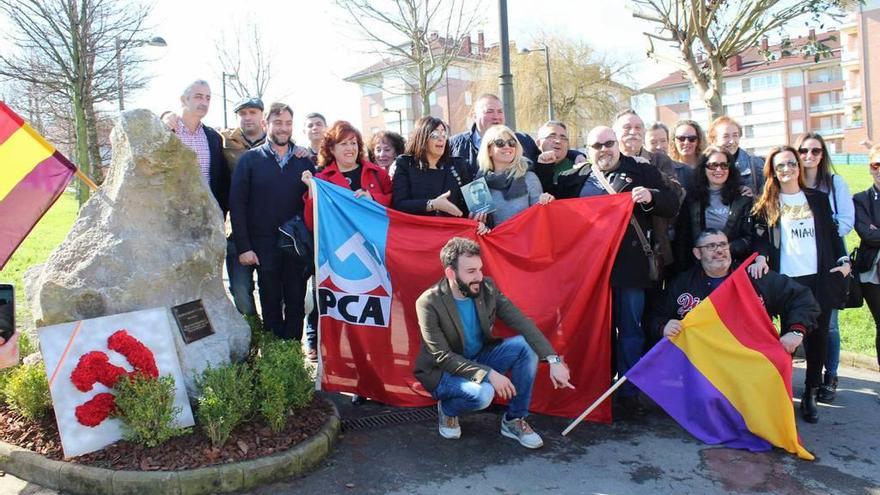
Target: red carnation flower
96,410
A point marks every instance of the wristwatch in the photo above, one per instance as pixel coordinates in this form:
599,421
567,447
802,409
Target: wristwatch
554,359
798,333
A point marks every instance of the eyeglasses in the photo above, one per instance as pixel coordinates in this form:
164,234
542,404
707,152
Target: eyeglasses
812,151
783,165
606,144
500,143
717,165
437,135
690,139
712,246
875,165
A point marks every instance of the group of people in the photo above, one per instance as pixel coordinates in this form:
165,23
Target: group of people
701,206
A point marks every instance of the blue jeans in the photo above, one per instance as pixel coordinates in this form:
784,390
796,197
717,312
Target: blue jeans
627,308
460,395
241,281
832,360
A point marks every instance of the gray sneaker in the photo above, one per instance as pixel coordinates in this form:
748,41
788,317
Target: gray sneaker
447,425
519,430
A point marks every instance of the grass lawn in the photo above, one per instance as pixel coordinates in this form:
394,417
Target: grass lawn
856,325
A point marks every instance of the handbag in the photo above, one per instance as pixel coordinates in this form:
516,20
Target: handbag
656,264
295,240
854,298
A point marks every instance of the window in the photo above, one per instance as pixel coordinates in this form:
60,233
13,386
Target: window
826,74
794,79
797,126
374,110
749,131
684,115
747,108
674,96
765,82
468,98
795,103
432,98
746,85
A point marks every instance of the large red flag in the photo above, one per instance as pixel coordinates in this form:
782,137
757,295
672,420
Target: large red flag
554,262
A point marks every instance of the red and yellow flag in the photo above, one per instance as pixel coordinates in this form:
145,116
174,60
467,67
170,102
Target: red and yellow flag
32,177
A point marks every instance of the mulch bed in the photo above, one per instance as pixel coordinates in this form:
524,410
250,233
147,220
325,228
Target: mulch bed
249,441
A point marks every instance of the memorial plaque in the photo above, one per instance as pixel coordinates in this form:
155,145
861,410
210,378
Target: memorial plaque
192,320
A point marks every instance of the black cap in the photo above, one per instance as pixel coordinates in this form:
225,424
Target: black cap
249,103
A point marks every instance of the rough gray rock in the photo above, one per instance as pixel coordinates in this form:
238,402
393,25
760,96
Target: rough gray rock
151,236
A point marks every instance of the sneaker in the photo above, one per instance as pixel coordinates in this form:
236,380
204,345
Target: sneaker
447,425
519,430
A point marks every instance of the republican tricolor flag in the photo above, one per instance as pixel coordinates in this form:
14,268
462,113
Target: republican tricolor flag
554,262
725,378
32,177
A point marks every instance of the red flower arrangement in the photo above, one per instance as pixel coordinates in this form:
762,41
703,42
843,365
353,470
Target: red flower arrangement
95,367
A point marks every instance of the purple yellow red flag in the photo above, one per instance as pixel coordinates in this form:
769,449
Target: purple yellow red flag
33,174
725,377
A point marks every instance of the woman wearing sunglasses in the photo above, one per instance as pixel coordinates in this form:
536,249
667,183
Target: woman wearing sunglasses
867,205
716,202
687,143
819,174
796,236
513,187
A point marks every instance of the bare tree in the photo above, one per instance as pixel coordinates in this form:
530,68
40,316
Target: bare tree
700,37
422,37
68,50
243,54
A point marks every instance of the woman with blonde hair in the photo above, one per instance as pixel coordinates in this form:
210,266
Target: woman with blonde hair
513,187
796,236
687,142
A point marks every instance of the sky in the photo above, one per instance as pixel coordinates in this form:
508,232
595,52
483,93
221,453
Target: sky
315,49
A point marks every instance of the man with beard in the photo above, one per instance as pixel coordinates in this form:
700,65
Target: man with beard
462,364
630,273
556,156
658,138
267,191
781,295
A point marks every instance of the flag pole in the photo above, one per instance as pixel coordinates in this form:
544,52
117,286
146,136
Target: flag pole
594,406
83,177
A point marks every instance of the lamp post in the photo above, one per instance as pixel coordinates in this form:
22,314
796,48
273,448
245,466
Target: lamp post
546,50
155,41
225,77
399,118
506,84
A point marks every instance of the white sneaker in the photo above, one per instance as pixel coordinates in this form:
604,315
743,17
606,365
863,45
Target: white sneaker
447,425
520,431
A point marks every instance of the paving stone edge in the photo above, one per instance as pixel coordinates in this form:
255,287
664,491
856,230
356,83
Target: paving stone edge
224,478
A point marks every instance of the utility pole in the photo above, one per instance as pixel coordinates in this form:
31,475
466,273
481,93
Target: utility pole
506,77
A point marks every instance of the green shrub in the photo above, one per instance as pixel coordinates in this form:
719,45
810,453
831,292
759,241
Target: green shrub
283,381
27,390
259,336
146,407
226,398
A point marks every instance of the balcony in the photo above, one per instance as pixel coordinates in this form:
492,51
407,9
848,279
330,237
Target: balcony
852,94
829,132
826,107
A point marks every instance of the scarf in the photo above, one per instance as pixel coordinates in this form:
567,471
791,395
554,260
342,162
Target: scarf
503,181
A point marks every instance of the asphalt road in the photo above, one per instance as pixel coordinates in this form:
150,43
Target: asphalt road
653,455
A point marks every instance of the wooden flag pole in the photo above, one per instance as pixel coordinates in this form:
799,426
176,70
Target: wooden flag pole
594,406
85,178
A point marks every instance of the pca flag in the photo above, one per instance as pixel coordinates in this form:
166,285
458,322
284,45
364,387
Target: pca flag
554,262
32,177
725,378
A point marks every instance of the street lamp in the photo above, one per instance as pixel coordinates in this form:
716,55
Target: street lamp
225,77
399,118
506,84
546,50
155,41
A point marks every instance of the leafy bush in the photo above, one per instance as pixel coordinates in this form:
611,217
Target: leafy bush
283,381
26,390
226,398
146,407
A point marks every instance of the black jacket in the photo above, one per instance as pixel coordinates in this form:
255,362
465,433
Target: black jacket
462,146
412,187
692,221
631,265
831,287
219,175
867,205
781,296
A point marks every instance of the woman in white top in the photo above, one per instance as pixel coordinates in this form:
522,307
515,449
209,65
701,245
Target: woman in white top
819,174
796,236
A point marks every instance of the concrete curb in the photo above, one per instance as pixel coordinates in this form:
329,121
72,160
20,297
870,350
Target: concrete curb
855,360
224,478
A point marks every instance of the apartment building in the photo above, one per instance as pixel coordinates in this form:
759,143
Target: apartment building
777,101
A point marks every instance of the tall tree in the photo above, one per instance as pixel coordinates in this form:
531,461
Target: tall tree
71,50
586,87
699,37
243,54
422,37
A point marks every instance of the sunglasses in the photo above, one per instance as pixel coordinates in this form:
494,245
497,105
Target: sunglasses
783,165
606,144
712,246
500,143
690,139
812,151
875,165
717,165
